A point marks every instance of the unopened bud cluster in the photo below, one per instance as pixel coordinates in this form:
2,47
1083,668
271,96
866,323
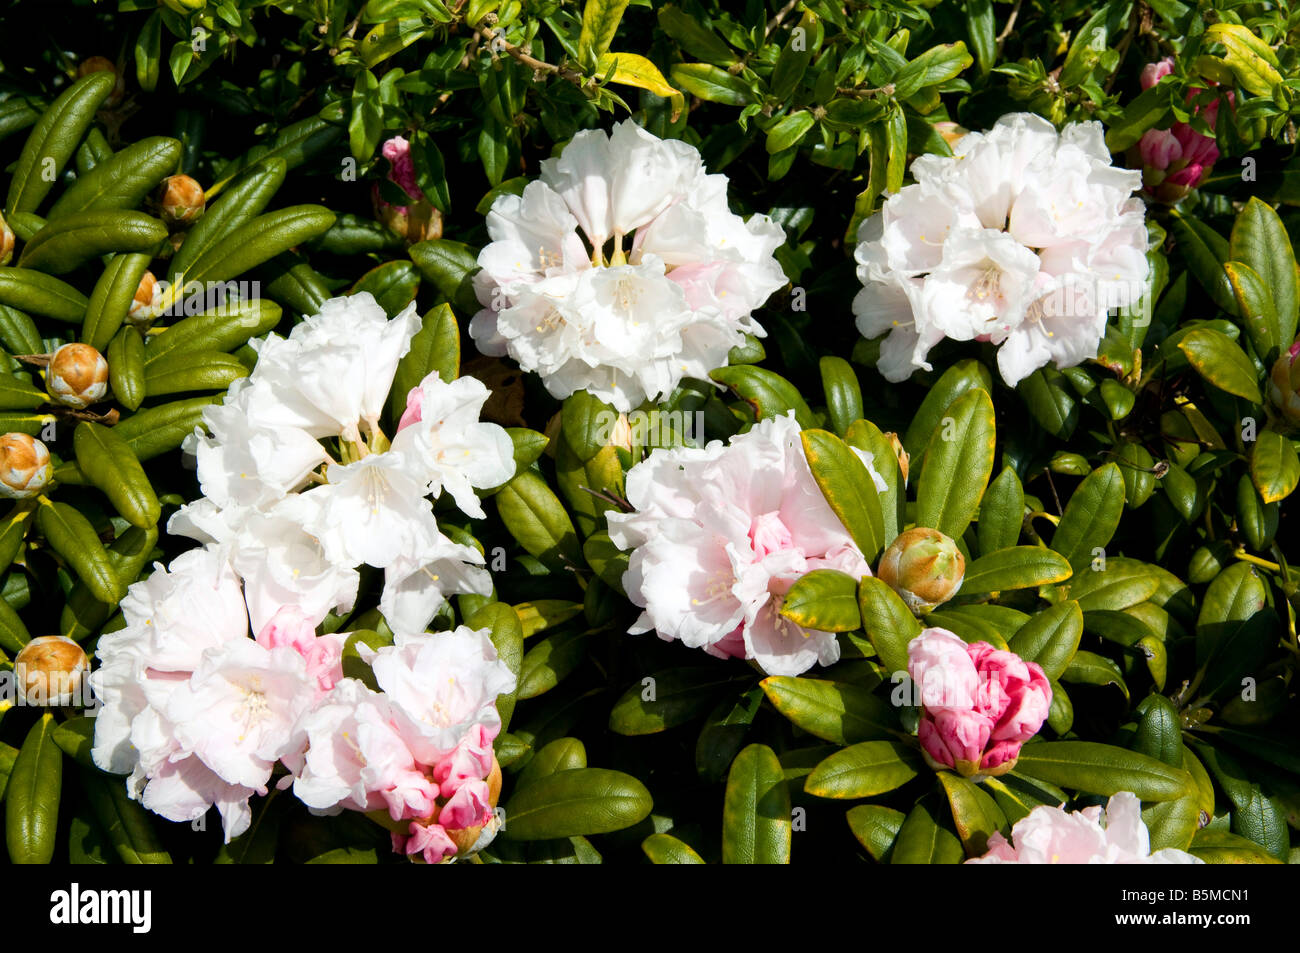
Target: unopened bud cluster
77,375
25,467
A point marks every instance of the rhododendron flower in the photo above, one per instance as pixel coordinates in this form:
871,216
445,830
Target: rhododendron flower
622,270
441,686
174,618
979,704
1023,237
1051,835
719,534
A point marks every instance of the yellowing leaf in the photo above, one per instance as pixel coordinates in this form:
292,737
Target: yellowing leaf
633,70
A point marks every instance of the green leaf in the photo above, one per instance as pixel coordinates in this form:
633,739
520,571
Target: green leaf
1144,111
958,380
1047,395
258,241
974,812
1088,668
769,394
838,712
1257,310
600,19
958,464
38,293
666,849
864,769
562,754
123,181
922,841
756,826
1274,466
888,622
55,138
1102,769
1001,514
449,266
507,635
1019,567
394,285
126,367
1234,630
389,39
1172,824
1219,360
876,827
109,464
711,84
1260,240
867,437
1205,251
240,202
573,803
1221,847
549,660
1091,517
32,796
72,537
157,430
935,66
192,370
435,347
1159,733
76,238
666,699
223,328
847,486
825,600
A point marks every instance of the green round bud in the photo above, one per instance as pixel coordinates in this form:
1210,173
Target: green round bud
924,567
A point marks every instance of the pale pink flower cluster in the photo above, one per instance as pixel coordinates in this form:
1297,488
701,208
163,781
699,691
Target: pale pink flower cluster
622,269
221,678
718,536
1051,835
1023,237
979,704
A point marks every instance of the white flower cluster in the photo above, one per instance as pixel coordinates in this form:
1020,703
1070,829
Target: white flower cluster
622,270
1022,237
301,487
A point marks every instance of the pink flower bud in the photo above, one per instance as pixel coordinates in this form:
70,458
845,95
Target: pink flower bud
291,628
414,406
429,840
979,703
25,467
768,534
1159,148
77,375
1152,73
402,174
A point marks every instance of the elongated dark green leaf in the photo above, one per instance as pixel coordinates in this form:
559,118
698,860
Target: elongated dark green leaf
223,328
1260,240
768,393
958,464
32,796
1091,517
1002,513
122,181
1050,638
72,537
435,347
756,826
536,518
889,623
1219,360
974,812
108,462
864,769
573,803
839,712
55,138
258,241
1018,567
1103,769
78,237
667,698
923,841
110,301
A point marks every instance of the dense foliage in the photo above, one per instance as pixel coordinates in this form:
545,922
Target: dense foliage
1121,523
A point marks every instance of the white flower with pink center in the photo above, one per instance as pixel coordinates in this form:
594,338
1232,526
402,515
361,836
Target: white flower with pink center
718,536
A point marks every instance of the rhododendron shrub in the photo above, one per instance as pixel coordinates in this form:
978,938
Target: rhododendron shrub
591,432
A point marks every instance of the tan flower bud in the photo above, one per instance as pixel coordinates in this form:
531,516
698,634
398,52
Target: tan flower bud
25,467
180,200
101,64
417,222
924,567
1283,387
77,375
50,670
142,313
6,242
